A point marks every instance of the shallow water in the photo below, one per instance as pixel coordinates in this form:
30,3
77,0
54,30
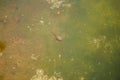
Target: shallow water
89,49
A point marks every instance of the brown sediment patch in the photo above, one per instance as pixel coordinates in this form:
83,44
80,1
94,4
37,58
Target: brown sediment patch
17,41
18,65
16,62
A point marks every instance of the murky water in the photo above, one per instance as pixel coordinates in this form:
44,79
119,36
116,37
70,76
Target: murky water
59,39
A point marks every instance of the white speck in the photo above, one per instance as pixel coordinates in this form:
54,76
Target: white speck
45,77
88,12
22,15
32,24
72,59
84,24
10,57
59,55
66,5
29,28
32,68
54,60
41,21
104,37
13,67
40,75
57,74
56,4
95,40
99,63
49,60
82,78
49,23
39,72
60,78
110,73
64,61
53,78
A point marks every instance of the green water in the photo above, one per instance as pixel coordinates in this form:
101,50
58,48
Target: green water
89,50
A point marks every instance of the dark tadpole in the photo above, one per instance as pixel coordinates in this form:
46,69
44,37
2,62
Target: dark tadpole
2,45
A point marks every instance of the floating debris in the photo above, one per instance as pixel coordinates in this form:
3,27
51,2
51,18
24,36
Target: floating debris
95,42
57,74
33,57
41,76
29,27
58,3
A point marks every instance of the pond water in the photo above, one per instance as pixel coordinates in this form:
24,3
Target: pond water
59,39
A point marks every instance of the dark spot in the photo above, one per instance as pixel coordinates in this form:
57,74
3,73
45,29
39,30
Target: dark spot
1,77
2,45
